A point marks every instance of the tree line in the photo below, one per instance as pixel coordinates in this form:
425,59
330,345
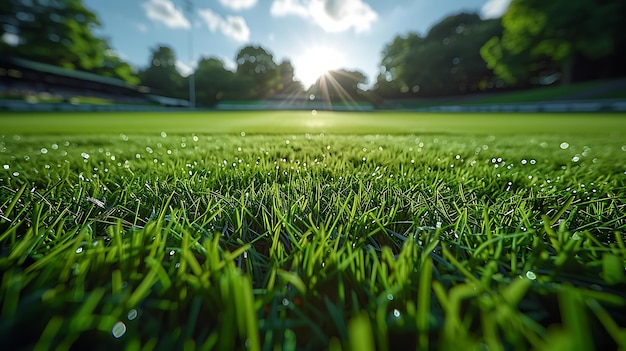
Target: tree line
534,43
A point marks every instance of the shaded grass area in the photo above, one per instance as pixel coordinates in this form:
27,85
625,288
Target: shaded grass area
473,240
592,90
301,122
557,92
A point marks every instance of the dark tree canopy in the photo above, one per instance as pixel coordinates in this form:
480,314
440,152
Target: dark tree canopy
161,75
60,33
535,42
446,61
213,82
258,64
547,37
262,75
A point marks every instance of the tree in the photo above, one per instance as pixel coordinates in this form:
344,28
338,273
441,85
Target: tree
288,84
59,33
446,61
213,82
539,35
391,81
161,75
258,64
339,86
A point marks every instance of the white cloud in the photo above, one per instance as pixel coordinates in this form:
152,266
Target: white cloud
238,4
141,27
212,19
229,63
289,7
330,15
495,8
165,12
234,27
118,54
184,69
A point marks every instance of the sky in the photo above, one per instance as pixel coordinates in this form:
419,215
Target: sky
315,35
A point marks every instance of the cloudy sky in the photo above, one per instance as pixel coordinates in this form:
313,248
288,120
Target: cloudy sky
315,35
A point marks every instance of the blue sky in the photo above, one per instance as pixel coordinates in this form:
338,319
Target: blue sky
315,35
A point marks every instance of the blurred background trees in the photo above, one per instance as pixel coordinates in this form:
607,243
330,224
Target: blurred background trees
535,43
269,78
340,85
59,33
544,41
446,61
213,82
162,76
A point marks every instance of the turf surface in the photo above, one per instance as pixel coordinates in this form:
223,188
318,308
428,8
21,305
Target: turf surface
367,231
300,122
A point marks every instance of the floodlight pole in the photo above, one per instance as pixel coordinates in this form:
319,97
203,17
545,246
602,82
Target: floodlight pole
192,76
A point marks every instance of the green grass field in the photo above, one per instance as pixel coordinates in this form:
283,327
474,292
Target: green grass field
288,230
302,122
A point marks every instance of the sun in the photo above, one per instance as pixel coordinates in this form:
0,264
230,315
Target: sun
314,62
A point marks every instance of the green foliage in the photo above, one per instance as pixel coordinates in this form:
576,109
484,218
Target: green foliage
213,81
258,64
446,61
543,37
60,33
162,76
505,240
258,76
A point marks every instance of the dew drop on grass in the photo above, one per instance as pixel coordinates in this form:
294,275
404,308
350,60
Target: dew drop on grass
531,275
390,297
79,250
119,329
285,302
564,145
6,166
396,313
132,314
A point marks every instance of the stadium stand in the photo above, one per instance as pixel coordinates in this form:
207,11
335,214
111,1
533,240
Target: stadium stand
28,85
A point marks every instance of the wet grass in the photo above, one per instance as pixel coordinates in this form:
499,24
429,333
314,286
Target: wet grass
499,240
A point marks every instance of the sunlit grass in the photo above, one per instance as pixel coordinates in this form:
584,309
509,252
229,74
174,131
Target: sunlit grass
218,241
302,122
